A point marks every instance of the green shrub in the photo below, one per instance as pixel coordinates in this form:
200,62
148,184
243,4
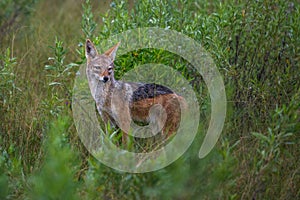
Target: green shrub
60,76
56,177
7,77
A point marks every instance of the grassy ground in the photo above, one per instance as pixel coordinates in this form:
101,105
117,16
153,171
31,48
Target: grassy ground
256,48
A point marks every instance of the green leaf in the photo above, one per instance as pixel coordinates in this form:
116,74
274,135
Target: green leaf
49,67
55,83
260,136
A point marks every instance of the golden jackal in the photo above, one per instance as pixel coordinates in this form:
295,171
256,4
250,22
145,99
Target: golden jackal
118,103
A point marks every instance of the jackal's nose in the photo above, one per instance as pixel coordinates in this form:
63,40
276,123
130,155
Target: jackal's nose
105,79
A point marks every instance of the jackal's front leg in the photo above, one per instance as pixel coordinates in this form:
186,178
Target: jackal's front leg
123,118
124,121
107,120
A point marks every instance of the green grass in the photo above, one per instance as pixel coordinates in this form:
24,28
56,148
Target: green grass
256,47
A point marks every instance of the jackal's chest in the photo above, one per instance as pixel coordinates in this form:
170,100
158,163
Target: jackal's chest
103,98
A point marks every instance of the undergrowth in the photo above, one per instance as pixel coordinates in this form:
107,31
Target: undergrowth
256,47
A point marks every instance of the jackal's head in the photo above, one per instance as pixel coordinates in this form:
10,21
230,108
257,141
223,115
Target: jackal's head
100,66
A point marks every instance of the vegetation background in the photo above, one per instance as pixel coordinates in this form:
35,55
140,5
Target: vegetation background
256,47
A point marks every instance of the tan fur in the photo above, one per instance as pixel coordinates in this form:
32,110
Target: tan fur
171,104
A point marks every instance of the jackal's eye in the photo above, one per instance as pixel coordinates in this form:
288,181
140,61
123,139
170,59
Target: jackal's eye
97,67
110,69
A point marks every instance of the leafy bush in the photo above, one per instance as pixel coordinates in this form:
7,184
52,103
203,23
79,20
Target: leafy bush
7,77
60,76
56,177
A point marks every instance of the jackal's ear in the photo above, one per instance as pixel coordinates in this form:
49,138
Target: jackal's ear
90,50
112,51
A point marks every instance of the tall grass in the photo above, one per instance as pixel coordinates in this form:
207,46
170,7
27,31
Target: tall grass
256,47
